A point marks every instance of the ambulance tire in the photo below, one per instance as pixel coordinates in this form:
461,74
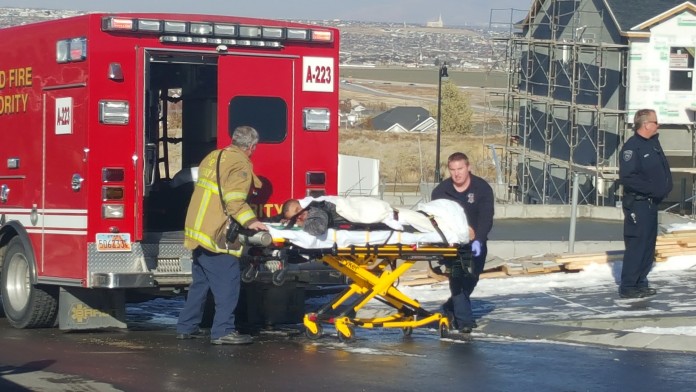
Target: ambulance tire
25,305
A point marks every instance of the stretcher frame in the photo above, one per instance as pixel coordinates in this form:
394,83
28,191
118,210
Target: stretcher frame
373,272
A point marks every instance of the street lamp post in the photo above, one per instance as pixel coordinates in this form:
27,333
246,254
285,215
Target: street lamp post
442,74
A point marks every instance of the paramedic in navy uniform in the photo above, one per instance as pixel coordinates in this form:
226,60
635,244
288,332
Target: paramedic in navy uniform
647,180
476,197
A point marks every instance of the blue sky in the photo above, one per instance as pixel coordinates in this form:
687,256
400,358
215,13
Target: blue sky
454,12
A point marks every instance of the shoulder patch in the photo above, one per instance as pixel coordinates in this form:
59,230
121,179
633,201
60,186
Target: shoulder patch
627,155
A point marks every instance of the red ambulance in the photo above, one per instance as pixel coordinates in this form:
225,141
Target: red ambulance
103,119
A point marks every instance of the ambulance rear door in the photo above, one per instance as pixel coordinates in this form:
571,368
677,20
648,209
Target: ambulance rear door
258,91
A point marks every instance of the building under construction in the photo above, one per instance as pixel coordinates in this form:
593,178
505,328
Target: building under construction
578,71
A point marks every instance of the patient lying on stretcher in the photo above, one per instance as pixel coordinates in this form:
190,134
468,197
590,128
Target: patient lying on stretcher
315,218
333,220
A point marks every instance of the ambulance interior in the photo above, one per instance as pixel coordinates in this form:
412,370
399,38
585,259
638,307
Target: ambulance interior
180,129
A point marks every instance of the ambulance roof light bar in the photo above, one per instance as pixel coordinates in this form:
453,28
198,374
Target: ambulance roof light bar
182,31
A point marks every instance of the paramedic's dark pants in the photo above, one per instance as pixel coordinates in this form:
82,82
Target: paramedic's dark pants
461,287
639,240
220,274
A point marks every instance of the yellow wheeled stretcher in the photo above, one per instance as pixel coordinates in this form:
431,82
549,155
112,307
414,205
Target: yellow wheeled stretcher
373,272
374,258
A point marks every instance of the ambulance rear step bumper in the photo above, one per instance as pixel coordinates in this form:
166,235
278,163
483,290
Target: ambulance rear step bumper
111,280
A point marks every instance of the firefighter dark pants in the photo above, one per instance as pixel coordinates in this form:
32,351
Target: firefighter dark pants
461,286
640,235
220,274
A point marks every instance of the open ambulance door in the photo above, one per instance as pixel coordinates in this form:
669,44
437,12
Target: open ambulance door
258,91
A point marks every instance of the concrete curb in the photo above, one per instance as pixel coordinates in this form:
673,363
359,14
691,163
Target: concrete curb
513,249
582,332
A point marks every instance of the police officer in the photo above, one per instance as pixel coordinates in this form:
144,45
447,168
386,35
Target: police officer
476,197
647,180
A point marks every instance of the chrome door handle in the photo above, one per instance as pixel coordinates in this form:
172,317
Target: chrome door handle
76,182
4,193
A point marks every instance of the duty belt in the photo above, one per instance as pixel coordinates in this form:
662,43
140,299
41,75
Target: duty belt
638,197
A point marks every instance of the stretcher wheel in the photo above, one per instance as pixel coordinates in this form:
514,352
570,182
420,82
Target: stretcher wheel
345,339
312,335
407,331
444,330
250,273
278,277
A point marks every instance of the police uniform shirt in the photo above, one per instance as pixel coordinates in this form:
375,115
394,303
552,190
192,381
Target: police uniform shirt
643,168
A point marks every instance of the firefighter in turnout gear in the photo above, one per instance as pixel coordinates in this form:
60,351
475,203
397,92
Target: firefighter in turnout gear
215,262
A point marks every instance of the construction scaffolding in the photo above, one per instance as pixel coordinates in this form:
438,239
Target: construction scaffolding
564,106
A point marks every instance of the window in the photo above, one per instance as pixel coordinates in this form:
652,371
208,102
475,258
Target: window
268,115
681,68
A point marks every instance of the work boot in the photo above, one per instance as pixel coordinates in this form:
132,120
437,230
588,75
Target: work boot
233,337
633,292
647,291
468,327
199,334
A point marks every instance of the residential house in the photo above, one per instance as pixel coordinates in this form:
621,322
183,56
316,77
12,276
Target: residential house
581,68
404,119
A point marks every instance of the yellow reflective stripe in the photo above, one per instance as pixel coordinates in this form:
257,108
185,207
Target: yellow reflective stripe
202,208
208,185
205,240
245,217
235,196
200,237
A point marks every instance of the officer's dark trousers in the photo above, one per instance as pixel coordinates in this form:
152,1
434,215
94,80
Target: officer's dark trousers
220,274
639,240
461,286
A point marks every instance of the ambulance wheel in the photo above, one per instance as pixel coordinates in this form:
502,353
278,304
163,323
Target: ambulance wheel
249,274
408,331
25,305
314,336
346,339
278,277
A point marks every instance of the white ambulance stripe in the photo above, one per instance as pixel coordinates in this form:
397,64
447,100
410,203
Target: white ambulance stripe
49,231
14,210
23,219
52,221
59,211
42,211
65,221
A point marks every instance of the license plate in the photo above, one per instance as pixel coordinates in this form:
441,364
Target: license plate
114,242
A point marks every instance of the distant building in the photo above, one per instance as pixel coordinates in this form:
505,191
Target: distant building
580,71
437,23
404,119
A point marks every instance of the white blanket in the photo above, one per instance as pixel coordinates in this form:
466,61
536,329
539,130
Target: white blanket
449,216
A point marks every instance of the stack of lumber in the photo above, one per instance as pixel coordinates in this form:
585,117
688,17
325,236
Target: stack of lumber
418,278
578,261
528,267
676,243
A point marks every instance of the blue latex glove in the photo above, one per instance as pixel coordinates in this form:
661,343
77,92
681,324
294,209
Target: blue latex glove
476,248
